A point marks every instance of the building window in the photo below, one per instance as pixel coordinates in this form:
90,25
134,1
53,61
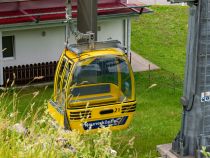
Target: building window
8,45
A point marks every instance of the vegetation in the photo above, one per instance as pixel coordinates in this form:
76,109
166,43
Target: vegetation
159,37
205,153
35,134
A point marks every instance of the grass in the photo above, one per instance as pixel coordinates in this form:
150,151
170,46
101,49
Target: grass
27,98
38,135
161,38
157,119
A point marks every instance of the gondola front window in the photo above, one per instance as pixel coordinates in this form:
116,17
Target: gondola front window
96,70
95,75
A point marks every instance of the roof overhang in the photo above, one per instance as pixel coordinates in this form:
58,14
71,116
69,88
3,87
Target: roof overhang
17,13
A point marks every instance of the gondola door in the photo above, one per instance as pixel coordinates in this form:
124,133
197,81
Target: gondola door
56,106
62,75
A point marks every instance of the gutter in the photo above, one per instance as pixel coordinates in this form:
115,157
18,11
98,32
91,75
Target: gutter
55,23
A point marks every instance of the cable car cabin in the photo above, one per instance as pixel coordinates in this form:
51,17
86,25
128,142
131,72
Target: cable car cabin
93,88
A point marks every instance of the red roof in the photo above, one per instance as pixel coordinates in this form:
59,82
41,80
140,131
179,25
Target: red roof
45,10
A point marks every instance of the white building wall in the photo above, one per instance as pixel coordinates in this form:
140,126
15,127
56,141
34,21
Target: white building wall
31,46
111,30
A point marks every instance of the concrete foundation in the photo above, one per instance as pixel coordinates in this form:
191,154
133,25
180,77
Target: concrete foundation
165,152
140,64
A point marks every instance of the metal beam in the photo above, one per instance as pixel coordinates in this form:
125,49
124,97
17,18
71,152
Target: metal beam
195,129
87,16
25,13
128,37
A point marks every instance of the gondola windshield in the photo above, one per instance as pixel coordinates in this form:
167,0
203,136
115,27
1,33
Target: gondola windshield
97,75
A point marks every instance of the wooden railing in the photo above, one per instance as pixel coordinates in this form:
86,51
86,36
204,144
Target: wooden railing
33,73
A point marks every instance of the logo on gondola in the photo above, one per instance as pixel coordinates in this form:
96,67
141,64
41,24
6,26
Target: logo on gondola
205,97
105,123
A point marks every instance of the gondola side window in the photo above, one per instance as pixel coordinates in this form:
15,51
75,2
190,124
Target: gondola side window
8,45
126,83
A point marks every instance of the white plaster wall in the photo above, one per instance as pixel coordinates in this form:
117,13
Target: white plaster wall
111,30
31,47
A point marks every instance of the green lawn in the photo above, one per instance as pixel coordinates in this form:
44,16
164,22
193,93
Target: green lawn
161,38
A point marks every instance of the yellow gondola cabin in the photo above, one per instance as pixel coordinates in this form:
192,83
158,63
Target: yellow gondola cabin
93,88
